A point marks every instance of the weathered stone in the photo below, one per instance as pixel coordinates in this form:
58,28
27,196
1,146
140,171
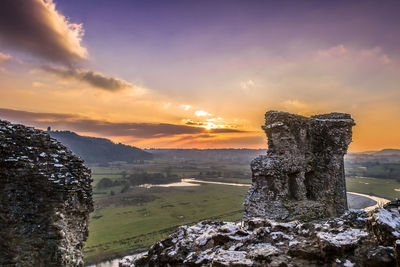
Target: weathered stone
385,223
302,175
45,200
341,241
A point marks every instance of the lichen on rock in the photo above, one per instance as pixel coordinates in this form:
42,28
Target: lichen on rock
302,175
45,200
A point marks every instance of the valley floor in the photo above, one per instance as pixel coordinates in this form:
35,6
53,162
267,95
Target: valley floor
124,223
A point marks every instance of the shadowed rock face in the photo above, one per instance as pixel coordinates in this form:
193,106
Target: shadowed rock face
302,175
45,200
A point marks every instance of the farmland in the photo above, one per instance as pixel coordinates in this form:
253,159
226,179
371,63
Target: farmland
128,221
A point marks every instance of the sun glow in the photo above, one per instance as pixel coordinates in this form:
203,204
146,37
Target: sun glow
209,124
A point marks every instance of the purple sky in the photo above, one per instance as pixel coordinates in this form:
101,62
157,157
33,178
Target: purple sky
211,64
156,40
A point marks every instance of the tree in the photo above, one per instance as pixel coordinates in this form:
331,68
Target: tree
105,182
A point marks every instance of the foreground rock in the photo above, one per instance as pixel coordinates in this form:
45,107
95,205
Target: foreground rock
342,241
45,200
302,175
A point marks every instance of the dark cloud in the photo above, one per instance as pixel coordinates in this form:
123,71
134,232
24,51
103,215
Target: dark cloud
192,123
35,26
104,128
95,79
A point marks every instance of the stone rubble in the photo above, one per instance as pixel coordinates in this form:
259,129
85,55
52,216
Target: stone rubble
342,241
45,200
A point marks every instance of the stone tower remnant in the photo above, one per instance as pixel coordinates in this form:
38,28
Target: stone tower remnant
302,175
45,200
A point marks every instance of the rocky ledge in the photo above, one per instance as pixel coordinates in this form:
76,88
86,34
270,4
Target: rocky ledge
45,200
354,239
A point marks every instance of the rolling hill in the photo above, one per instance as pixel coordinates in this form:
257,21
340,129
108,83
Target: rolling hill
99,150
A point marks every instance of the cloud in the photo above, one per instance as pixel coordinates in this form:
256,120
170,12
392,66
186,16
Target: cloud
185,107
4,57
201,113
37,84
93,78
35,26
246,85
104,128
193,123
294,104
340,52
167,105
335,51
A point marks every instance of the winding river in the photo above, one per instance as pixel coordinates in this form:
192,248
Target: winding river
355,200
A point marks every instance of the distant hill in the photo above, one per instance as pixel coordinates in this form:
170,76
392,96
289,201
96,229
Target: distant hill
226,155
99,150
384,152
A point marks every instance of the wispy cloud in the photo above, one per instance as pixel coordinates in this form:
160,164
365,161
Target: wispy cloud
246,85
4,57
295,105
90,77
185,107
105,128
37,27
341,52
201,113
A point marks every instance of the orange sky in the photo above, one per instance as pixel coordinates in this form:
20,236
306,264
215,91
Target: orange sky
198,87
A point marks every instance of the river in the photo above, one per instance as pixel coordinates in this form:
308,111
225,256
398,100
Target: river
355,200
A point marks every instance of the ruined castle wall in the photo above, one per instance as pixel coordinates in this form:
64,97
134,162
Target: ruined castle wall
45,200
302,174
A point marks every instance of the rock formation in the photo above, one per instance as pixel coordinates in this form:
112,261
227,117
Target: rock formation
302,175
354,239
45,200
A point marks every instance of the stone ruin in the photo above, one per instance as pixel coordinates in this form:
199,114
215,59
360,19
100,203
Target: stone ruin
45,200
295,212
302,175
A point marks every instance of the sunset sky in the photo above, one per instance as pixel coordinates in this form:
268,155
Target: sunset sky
199,74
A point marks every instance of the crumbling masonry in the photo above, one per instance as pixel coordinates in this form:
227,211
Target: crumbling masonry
302,175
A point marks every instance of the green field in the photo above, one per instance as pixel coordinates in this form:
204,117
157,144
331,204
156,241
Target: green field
133,220
115,230
372,186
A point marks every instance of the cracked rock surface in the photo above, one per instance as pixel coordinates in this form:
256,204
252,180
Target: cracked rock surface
45,200
342,241
302,175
